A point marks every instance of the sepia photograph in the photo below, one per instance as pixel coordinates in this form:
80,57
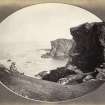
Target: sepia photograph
52,53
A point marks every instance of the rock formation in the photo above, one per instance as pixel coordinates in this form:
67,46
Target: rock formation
59,48
58,73
87,52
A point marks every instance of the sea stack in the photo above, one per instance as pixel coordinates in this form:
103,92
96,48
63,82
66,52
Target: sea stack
59,48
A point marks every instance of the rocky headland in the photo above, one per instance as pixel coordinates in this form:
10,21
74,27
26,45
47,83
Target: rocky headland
59,48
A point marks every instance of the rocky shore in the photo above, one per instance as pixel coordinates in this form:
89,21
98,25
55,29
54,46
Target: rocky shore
82,74
85,55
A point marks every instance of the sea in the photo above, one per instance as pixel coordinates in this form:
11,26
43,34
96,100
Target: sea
27,57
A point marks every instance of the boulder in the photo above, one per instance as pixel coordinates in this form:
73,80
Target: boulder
56,74
71,79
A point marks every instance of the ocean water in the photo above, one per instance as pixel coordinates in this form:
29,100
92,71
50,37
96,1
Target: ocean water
28,58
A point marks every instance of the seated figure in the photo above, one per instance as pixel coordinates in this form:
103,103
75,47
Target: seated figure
13,67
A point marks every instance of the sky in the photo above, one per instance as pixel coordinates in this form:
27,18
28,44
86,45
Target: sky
43,23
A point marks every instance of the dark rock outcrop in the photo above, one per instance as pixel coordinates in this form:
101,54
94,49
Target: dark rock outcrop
88,51
59,48
58,73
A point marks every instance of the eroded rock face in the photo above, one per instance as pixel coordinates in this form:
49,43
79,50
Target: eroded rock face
59,48
87,53
88,50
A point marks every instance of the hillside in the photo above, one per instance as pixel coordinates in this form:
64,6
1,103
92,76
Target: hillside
43,90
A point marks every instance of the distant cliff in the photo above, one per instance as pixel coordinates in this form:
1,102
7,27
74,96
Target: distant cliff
59,48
